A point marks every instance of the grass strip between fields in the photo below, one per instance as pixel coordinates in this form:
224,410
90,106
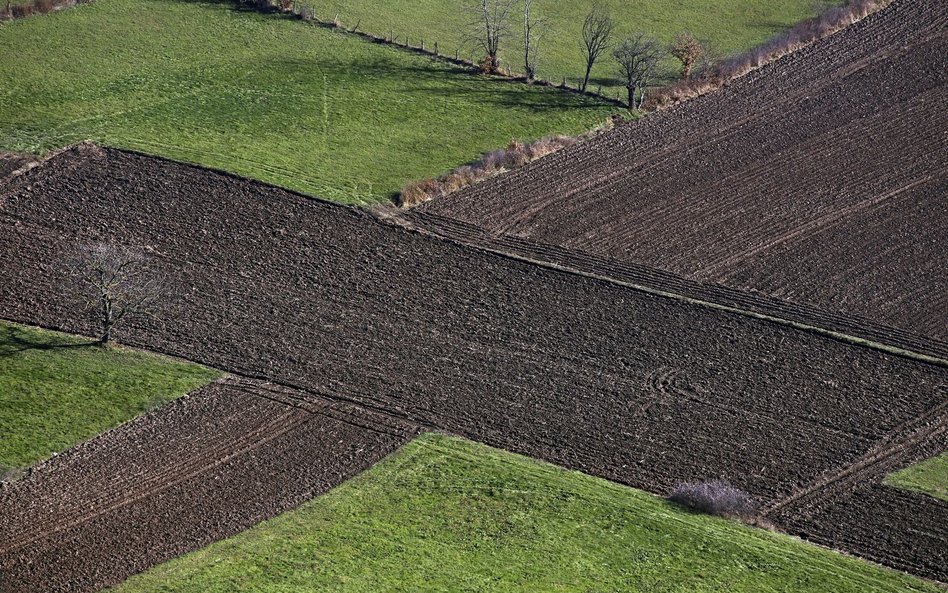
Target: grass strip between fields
57,390
445,514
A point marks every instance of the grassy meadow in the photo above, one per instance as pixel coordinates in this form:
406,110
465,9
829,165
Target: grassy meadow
444,514
929,477
263,96
57,390
730,26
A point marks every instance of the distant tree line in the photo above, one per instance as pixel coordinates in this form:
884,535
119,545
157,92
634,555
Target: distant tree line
636,57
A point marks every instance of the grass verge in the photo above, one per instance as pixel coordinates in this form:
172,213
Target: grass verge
444,514
57,390
929,477
264,96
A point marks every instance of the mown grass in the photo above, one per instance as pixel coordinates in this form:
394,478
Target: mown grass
929,477
260,95
445,514
730,26
57,390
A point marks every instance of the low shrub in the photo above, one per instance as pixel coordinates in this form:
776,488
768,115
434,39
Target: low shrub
43,6
20,11
495,162
715,497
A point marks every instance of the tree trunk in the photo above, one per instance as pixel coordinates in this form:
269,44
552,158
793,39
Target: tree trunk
589,67
631,91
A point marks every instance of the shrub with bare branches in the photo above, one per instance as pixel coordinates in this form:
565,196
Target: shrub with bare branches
687,49
638,57
489,26
715,497
113,283
597,38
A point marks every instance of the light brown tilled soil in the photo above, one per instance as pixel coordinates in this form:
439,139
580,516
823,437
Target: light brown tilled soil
642,389
819,179
203,468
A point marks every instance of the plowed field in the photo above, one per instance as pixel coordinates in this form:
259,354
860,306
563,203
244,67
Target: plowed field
818,179
202,468
582,371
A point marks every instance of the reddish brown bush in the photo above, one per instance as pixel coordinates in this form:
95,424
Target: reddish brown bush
492,163
20,11
43,6
715,497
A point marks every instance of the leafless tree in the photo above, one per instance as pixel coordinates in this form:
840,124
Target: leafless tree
638,57
687,49
113,283
489,26
532,31
597,32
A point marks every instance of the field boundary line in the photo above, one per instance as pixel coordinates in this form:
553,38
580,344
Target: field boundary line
418,222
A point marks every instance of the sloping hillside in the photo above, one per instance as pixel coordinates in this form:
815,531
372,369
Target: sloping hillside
818,179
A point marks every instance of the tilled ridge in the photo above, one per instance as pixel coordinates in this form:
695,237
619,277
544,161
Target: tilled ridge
202,468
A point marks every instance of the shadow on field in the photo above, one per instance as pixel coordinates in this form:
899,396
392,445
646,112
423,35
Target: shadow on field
439,80
14,340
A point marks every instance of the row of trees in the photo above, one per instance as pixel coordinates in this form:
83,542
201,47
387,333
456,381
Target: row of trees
637,57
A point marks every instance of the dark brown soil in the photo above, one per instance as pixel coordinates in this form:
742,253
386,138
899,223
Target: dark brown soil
203,468
818,179
584,372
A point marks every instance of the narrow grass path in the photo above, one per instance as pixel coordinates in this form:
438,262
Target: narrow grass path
263,96
445,514
57,390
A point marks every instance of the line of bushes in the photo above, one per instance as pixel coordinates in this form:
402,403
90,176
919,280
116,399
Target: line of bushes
495,162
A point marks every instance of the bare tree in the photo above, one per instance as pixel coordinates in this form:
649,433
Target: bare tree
687,49
113,283
490,25
532,31
638,57
597,31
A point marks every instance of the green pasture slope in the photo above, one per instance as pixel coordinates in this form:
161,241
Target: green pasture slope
261,95
57,390
444,514
730,26
929,477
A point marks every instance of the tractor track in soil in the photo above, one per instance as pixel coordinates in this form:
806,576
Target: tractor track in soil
327,302
202,468
817,180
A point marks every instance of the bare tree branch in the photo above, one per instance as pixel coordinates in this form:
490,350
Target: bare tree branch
638,57
490,24
532,32
597,31
113,283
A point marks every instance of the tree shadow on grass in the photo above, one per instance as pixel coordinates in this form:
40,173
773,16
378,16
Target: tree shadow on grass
14,339
441,80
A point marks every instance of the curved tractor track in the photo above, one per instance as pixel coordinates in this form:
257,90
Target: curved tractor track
530,356
204,467
818,180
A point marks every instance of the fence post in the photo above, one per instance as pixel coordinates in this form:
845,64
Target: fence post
437,53
422,45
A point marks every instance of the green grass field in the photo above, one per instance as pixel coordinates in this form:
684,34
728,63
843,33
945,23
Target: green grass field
260,95
57,390
929,476
445,514
729,25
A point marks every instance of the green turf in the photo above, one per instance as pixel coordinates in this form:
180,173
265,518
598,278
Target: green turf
729,25
929,476
261,95
445,514
57,390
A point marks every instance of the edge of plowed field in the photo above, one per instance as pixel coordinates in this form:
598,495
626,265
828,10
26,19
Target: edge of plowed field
849,329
